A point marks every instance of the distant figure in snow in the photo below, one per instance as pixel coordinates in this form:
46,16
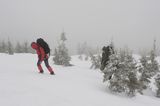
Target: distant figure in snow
43,52
107,51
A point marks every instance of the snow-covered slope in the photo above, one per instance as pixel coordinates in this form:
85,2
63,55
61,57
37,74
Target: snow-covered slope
22,85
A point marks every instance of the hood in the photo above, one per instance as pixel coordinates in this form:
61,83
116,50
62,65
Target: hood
34,45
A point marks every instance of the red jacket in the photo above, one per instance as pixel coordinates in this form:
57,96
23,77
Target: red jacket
39,50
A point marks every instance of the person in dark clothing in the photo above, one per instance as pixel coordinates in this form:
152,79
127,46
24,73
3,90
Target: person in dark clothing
42,56
107,51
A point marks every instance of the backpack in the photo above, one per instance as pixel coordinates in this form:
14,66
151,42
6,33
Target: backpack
44,45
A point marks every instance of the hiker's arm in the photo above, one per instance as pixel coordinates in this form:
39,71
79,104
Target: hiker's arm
42,54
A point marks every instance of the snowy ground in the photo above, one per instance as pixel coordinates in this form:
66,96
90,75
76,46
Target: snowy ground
22,85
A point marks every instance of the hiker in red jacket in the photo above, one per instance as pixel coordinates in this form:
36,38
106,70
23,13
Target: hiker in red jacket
42,56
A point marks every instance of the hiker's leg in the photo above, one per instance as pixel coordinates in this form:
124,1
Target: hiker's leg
39,66
48,66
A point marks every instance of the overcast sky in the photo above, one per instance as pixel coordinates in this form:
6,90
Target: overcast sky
129,22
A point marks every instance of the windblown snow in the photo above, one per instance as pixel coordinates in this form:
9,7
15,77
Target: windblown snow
22,85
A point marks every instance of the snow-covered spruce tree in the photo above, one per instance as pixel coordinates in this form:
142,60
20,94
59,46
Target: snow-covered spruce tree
148,68
84,50
10,48
18,48
154,68
61,56
25,48
79,51
121,73
0,47
153,64
157,81
56,58
144,70
3,47
96,61
30,50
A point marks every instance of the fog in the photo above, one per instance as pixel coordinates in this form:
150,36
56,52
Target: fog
134,23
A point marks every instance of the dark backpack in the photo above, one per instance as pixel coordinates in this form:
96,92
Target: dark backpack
44,45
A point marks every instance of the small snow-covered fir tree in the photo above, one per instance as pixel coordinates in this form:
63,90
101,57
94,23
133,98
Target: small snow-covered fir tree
25,48
148,68
3,47
18,48
153,64
56,57
144,71
157,81
132,82
121,73
96,61
79,51
10,48
84,50
61,56
63,36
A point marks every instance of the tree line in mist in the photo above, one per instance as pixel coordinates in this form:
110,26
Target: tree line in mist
7,47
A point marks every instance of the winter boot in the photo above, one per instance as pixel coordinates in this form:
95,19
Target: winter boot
52,73
41,72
